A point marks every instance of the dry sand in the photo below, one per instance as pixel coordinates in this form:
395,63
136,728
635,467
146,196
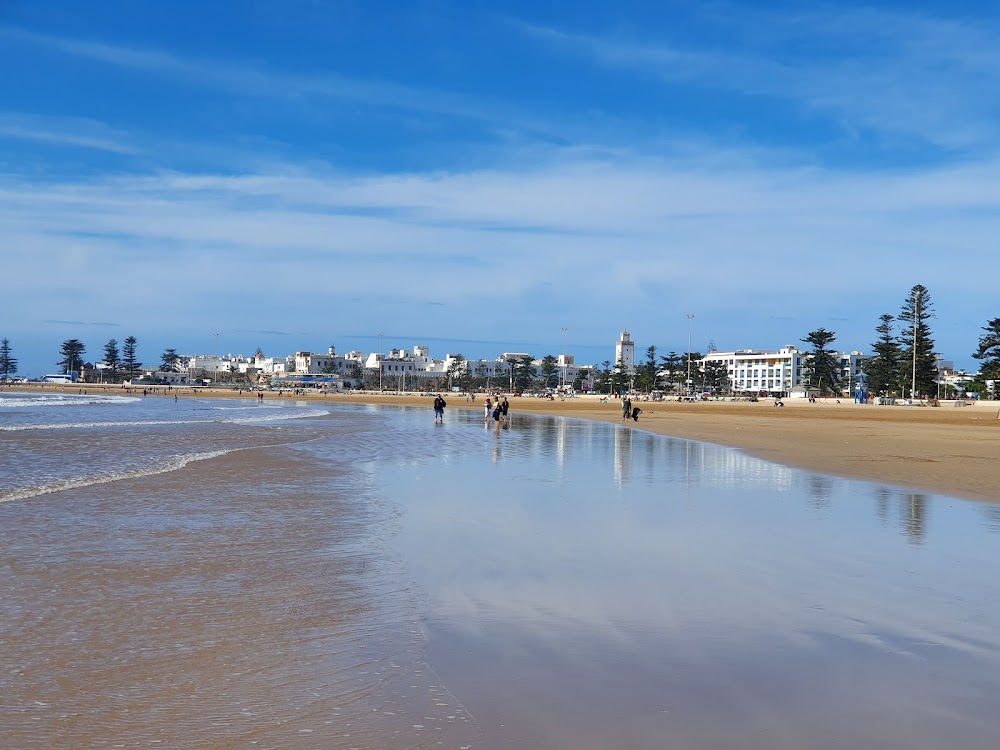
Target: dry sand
948,449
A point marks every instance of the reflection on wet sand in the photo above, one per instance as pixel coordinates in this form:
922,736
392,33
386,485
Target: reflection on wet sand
686,594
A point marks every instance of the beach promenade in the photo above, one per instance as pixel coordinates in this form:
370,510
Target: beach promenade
948,450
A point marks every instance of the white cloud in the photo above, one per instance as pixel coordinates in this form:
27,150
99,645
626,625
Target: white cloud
65,131
563,240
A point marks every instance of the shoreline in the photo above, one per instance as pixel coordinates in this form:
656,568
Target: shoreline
945,450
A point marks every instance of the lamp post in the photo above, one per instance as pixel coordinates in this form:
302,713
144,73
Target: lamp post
916,314
690,319
381,355
564,357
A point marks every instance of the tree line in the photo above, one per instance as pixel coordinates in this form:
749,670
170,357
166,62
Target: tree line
120,363
903,361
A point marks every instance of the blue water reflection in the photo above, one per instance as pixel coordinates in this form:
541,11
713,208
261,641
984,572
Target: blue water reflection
624,589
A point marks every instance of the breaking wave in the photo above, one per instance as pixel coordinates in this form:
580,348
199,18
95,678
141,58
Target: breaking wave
285,416
178,462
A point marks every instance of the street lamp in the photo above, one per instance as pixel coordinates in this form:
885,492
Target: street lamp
564,357
381,355
916,314
690,319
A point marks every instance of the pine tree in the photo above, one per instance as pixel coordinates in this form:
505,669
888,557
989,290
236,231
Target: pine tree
646,372
673,366
8,364
620,377
112,360
697,370
822,367
131,367
989,353
523,372
716,374
72,351
882,369
458,371
918,367
606,378
550,363
170,360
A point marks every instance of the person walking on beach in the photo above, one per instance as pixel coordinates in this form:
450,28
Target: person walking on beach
626,407
489,410
439,404
497,413
503,410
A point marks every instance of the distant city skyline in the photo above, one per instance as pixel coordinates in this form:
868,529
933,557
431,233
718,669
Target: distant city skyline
288,175
606,352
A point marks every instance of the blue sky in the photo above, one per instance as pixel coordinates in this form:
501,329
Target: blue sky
478,176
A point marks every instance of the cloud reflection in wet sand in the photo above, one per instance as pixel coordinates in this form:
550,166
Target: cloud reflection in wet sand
624,589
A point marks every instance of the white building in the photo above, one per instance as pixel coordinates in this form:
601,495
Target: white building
310,363
957,379
496,371
408,370
273,365
405,370
209,363
777,372
166,377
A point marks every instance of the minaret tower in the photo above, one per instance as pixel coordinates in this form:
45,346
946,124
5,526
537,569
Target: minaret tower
625,352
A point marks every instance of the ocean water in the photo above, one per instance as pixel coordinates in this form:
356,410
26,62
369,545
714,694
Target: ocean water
220,573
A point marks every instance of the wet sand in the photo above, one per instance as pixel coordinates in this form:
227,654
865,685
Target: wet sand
197,609
279,598
947,450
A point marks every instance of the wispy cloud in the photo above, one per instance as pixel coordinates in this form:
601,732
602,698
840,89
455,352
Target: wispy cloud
648,238
899,73
75,132
81,323
248,79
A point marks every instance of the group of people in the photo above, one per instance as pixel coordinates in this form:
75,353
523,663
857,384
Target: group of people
628,411
497,410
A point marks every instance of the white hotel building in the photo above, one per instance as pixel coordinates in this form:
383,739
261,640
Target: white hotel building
777,373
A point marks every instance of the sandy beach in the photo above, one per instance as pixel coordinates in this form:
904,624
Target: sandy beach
558,584
948,450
